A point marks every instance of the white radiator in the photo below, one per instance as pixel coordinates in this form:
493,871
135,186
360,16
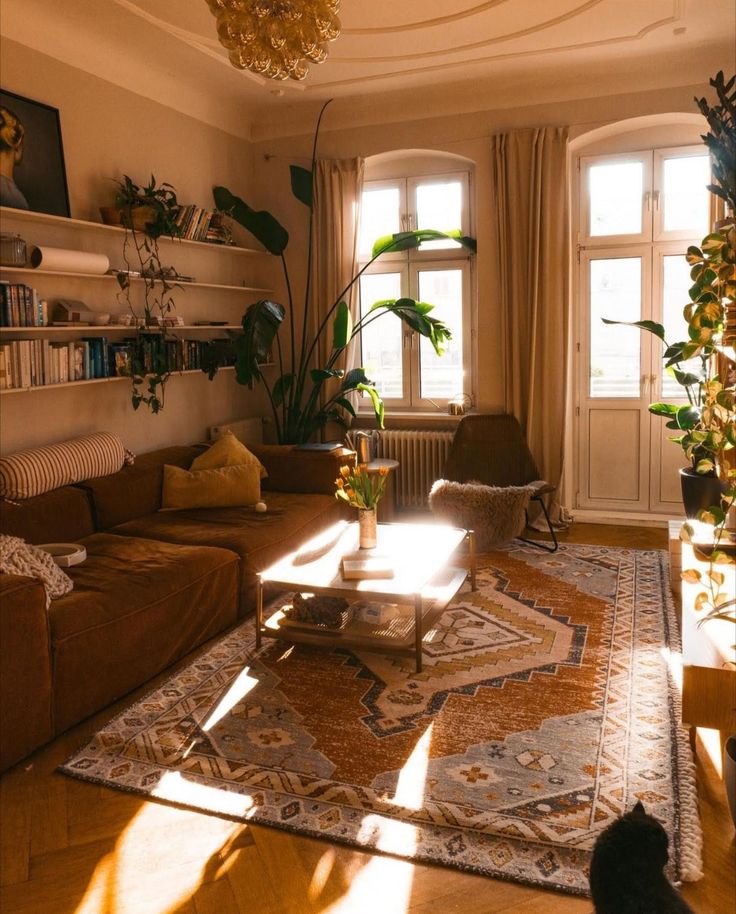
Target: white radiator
421,454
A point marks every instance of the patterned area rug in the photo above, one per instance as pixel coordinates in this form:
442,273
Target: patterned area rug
546,708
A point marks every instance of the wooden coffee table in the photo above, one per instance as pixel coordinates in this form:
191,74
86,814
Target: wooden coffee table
424,579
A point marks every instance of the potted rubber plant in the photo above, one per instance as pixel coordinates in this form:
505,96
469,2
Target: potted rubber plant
300,408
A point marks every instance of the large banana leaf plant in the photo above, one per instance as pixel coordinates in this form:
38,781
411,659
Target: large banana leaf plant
297,396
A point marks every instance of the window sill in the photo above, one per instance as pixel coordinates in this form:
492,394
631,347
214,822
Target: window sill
408,419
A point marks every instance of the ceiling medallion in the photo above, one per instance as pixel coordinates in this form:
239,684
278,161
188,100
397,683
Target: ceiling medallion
277,39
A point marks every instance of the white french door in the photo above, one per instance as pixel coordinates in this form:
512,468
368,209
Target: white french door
638,214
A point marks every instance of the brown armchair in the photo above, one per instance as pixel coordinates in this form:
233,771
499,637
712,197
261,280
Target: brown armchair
491,449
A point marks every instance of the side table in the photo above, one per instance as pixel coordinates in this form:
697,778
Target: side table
708,674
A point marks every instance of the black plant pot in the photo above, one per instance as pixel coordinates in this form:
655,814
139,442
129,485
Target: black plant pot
699,491
729,775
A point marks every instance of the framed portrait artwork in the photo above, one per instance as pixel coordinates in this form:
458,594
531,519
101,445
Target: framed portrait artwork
32,173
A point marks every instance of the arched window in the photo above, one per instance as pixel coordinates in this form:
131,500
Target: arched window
642,200
410,190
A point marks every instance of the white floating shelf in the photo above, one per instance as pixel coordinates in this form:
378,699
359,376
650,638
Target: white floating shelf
65,384
116,328
8,212
29,271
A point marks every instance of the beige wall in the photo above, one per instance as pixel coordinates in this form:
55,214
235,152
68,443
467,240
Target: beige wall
466,135
108,131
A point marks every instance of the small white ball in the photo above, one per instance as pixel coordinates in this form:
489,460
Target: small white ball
261,506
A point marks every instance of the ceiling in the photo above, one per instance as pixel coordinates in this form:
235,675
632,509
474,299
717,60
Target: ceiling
169,49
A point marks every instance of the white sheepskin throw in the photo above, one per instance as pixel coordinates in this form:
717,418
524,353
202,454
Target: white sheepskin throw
19,557
495,513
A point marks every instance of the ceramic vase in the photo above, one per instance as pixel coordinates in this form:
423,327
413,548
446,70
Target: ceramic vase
367,527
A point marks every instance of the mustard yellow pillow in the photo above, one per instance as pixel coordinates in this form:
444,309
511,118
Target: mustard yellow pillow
227,452
222,487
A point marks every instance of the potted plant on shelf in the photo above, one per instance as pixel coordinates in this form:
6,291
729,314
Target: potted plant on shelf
299,407
148,213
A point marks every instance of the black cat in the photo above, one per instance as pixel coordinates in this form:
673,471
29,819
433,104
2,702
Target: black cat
626,872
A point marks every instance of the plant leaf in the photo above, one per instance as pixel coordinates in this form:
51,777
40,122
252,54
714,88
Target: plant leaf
409,241
346,405
342,326
318,375
352,379
651,326
378,406
301,184
261,323
663,409
260,223
281,388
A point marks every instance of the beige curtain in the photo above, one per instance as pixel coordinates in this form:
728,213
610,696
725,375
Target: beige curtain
530,185
338,185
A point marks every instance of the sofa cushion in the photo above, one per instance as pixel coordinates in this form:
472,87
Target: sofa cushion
41,469
134,490
25,670
220,487
61,516
227,451
137,607
259,539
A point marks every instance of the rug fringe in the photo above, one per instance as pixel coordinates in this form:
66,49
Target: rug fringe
691,832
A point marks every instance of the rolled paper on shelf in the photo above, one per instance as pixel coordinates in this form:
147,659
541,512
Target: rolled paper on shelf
66,261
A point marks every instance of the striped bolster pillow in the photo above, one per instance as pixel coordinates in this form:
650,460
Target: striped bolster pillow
41,469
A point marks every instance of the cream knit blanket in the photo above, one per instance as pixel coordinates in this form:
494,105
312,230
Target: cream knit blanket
19,557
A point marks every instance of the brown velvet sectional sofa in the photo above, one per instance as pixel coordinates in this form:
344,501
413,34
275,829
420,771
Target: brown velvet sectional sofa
155,585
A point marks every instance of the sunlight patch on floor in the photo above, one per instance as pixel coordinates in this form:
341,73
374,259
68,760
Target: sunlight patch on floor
673,659
321,874
158,839
413,776
711,740
237,691
384,884
179,789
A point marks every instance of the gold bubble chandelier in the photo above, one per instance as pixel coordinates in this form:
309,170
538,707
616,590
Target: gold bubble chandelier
277,39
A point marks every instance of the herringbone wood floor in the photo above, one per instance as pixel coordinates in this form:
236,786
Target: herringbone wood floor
73,847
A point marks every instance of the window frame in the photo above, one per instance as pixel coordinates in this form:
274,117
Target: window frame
409,264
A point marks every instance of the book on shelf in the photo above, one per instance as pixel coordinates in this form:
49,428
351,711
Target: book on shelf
41,362
366,565
21,306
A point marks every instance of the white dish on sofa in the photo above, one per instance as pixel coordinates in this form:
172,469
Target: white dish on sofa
65,554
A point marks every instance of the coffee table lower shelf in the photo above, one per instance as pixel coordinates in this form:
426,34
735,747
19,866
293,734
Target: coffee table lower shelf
402,634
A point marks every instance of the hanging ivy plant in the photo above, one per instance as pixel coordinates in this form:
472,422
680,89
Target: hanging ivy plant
147,214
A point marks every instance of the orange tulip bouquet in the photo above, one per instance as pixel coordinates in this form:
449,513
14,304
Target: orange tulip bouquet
359,488
362,489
